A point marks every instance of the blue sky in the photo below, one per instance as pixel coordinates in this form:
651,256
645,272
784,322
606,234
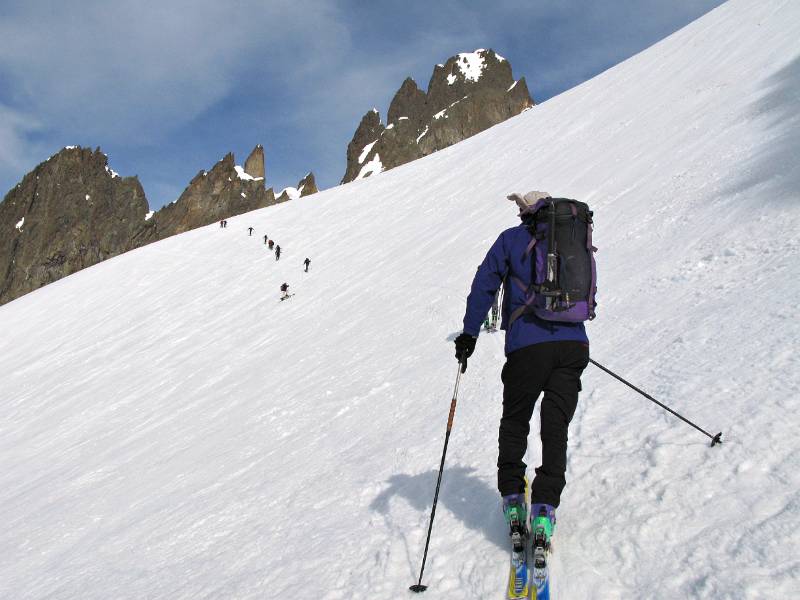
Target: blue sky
167,88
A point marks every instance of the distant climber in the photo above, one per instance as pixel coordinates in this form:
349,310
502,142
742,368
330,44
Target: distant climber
284,290
250,229
270,244
307,262
277,252
221,224
265,239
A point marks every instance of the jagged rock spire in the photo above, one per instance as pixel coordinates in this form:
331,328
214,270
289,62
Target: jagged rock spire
254,165
470,92
307,185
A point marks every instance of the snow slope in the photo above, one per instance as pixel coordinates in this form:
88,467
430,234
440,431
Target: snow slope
171,430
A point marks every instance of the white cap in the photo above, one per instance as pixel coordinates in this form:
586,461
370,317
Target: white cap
526,201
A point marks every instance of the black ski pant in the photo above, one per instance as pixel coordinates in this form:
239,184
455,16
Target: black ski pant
555,368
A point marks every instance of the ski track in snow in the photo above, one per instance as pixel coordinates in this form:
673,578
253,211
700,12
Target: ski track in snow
171,430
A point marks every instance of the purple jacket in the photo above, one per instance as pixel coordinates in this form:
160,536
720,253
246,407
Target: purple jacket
508,256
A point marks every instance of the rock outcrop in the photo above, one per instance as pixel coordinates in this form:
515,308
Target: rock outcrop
466,95
306,187
367,132
225,191
72,211
254,165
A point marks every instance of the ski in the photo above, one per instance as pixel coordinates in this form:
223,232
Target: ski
540,573
286,297
518,575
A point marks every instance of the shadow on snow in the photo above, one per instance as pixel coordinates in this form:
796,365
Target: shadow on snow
470,500
778,112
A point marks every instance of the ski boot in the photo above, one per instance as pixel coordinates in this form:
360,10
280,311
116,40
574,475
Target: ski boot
543,524
515,511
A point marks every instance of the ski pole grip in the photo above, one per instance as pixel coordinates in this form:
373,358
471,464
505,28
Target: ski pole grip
455,397
452,414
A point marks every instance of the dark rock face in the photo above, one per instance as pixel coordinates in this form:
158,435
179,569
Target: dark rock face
67,214
307,185
254,165
368,131
224,191
409,101
466,95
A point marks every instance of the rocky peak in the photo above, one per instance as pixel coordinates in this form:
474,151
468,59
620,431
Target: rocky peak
70,212
469,93
409,102
307,185
467,72
225,191
254,165
369,130
223,166
73,211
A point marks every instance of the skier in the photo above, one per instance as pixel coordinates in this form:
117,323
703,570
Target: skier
277,252
221,224
251,230
307,262
495,310
284,291
541,355
270,244
490,323
265,239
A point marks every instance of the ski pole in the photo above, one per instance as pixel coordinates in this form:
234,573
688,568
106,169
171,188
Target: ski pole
715,439
418,587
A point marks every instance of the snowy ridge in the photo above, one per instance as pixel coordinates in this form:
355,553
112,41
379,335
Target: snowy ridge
292,192
241,174
165,417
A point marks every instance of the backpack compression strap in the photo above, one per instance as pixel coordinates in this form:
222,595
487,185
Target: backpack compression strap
529,297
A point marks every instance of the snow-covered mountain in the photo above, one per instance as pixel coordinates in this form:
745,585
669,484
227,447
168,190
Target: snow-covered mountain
469,93
171,430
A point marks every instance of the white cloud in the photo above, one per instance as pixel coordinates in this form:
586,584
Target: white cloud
140,70
140,73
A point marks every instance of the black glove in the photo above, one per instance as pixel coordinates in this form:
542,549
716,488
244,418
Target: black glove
465,346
